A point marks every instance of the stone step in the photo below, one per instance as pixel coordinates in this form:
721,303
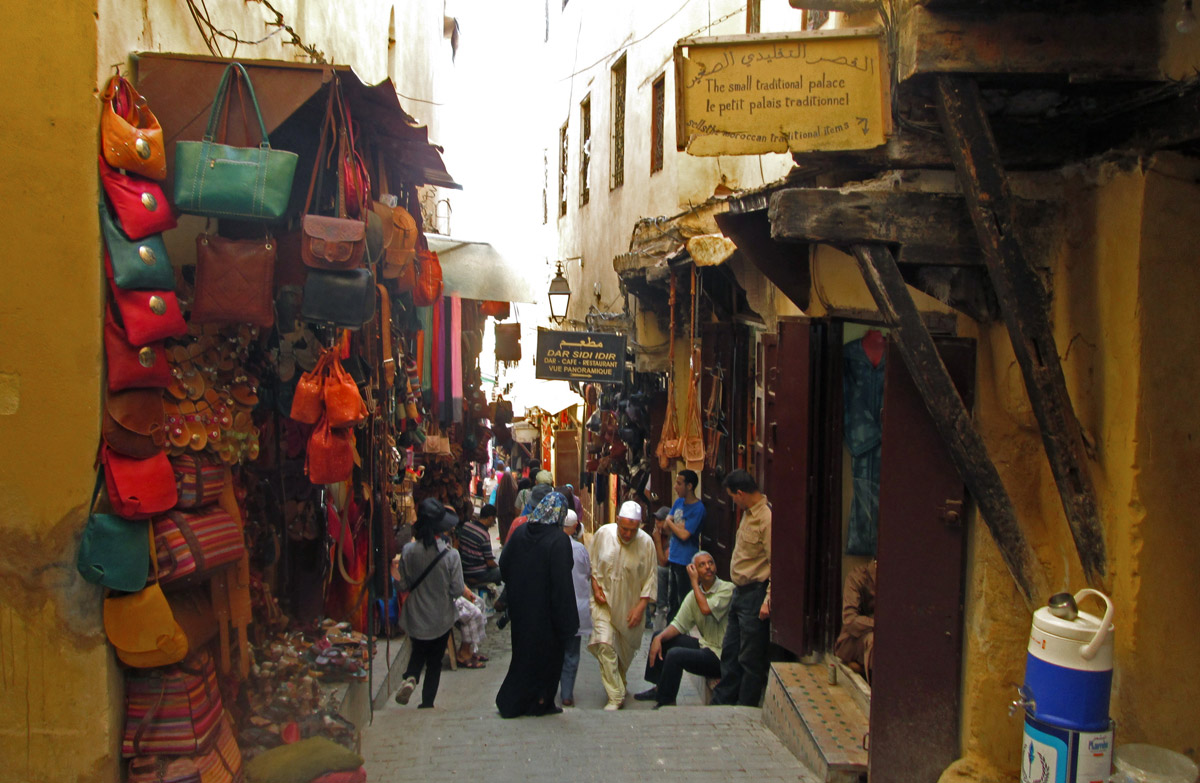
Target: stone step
820,723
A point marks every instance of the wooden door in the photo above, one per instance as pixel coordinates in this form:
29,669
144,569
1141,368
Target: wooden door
566,457
915,702
789,458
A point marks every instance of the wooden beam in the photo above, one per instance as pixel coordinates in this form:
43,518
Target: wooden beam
1023,304
966,289
784,264
932,228
950,416
1081,44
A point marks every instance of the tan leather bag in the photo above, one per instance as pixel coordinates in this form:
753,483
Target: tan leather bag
142,627
134,422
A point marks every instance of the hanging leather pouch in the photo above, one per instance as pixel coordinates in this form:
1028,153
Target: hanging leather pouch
331,243
330,454
142,628
344,299
139,203
149,316
130,135
344,406
234,281
130,366
140,264
428,288
133,422
113,552
138,488
308,401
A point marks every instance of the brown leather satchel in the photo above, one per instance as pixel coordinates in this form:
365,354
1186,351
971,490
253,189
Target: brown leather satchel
133,422
333,243
234,281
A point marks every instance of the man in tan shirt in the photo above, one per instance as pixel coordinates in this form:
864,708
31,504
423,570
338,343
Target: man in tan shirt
744,651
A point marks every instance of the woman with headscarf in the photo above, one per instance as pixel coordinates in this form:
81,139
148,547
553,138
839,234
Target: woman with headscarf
430,571
536,565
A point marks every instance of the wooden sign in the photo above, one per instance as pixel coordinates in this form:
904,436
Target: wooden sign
751,94
580,356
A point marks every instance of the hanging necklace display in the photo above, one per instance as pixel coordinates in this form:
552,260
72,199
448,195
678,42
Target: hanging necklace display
669,446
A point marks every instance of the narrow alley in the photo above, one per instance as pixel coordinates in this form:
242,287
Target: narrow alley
463,737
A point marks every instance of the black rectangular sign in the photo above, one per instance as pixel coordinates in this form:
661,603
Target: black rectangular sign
580,356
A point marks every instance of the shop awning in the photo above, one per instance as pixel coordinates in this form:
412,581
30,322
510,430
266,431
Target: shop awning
180,88
476,270
552,397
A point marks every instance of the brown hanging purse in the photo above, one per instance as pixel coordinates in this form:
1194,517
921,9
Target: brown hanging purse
693,436
669,446
332,243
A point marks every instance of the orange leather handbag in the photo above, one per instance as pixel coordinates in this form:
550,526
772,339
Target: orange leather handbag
330,454
130,135
308,402
344,406
429,279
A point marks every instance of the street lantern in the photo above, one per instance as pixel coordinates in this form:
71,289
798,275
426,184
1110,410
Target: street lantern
559,296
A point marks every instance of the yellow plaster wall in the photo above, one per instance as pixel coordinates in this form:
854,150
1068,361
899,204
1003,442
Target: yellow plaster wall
58,686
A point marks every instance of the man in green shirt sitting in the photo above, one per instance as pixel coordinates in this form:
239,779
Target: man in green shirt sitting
673,651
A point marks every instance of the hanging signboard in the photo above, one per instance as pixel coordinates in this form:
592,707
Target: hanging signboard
800,92
580,356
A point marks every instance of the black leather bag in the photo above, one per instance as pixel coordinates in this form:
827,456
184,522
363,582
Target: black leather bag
344,299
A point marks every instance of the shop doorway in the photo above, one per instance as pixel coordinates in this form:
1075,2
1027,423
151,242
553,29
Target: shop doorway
809,469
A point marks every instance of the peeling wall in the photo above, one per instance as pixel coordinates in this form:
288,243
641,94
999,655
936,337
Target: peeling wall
57,683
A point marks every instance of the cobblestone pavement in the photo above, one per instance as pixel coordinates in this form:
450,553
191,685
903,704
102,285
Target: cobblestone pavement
464,738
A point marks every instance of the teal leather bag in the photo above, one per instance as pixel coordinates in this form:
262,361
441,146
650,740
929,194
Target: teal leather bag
114,552
142,265
218,180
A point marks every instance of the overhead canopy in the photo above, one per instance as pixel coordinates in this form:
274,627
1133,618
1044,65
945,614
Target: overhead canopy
180,88
552,397
475,270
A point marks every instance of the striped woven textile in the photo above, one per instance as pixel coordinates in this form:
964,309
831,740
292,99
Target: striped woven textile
191,545
198,480
222,764
172,710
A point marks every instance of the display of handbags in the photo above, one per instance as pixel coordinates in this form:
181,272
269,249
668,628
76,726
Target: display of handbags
174,711
192,545
138,488
142,629
133,422
140,205
130,136
343,299
114,552
199,479
148,316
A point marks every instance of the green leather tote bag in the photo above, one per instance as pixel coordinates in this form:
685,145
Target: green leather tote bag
215,179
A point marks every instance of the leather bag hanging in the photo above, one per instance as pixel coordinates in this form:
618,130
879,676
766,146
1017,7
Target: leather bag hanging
130,136
138,488
149,316
133,422
343,299
693,433
192,545
199,479
113,552
140,264
498,310
400,235
141,627
234,281
344,405
330,456
219,180
173,711
428,288
508,342
130,366
140,205
330,243
308,401
669,445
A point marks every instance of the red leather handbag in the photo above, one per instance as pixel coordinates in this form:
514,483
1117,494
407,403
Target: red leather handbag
149,316
344,406
130,366
138,488
330,454
356,181
141,206
428,288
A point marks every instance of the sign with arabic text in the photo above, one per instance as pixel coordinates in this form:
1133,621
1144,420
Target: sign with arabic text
750,94
580,356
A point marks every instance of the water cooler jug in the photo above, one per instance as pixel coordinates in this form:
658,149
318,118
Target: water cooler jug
1068,681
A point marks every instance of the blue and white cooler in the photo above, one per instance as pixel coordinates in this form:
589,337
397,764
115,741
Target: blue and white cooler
1068,682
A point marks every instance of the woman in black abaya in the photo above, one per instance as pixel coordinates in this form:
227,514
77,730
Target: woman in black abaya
536,565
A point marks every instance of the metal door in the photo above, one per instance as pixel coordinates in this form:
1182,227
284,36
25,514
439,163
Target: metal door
915,700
